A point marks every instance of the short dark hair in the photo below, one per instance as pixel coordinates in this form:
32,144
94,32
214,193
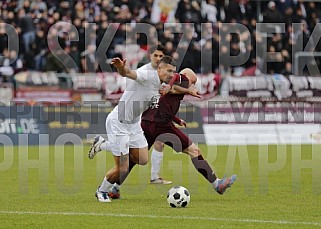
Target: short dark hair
158,47
168,60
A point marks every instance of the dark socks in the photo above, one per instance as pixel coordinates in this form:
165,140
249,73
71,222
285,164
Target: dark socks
204,168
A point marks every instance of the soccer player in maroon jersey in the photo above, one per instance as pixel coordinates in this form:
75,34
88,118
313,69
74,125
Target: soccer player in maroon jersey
158,127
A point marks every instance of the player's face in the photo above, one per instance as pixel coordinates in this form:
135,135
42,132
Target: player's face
165,72
155,57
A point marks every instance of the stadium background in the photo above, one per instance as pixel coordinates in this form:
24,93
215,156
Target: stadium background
46,102
286,89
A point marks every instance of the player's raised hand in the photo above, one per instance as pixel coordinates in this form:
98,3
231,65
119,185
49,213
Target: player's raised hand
193,91
118,63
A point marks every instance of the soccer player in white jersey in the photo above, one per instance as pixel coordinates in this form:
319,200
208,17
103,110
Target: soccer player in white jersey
125,135
156,53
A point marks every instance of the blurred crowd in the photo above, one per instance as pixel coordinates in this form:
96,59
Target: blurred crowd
205,50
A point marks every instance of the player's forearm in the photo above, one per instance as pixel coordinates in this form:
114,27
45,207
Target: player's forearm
123,71
191,91
126,72
179,90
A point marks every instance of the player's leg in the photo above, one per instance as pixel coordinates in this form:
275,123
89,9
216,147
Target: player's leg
115,175
156,159
99,142
151,132
202,166
120,171
138,154
114,191
180,142
119,145
138,145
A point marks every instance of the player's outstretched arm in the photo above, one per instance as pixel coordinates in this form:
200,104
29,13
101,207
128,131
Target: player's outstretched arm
193,91
176,89
120,65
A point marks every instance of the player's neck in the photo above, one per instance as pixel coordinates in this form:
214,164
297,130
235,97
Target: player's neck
155,67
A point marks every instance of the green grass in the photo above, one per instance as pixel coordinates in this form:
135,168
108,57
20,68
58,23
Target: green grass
53,187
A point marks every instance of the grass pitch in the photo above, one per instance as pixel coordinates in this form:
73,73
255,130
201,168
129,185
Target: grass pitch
53,187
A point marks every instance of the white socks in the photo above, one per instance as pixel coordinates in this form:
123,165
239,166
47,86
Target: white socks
105,186
116,186
156,160
105,146
215,183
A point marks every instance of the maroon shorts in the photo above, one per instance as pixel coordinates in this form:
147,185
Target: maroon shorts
168,134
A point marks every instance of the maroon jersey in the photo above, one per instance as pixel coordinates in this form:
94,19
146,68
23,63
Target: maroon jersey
167,105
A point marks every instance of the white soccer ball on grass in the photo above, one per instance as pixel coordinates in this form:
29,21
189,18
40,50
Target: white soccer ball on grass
178,196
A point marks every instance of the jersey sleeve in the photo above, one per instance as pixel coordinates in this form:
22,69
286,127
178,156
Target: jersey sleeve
175,79
176,119
142,74
181,80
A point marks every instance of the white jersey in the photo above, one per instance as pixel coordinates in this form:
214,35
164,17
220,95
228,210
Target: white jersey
139,94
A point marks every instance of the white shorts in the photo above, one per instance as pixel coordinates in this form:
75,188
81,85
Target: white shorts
122,136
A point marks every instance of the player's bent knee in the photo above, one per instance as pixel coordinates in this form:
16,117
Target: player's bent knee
143,157
159,146
139,156
143,161
192,151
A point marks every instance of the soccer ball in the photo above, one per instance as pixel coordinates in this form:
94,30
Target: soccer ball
178,196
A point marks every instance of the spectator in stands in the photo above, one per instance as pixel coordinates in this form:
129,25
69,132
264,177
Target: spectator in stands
276,42
208,62
298,16
88,59
4,70
54,62
37,6
27,29
3,37
274,61
169,48
11,64
14,61
304,10
34,17
40,49
288,16
239,10
272,14
75,56
287,70
285,4
209,11
314,13
303,35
